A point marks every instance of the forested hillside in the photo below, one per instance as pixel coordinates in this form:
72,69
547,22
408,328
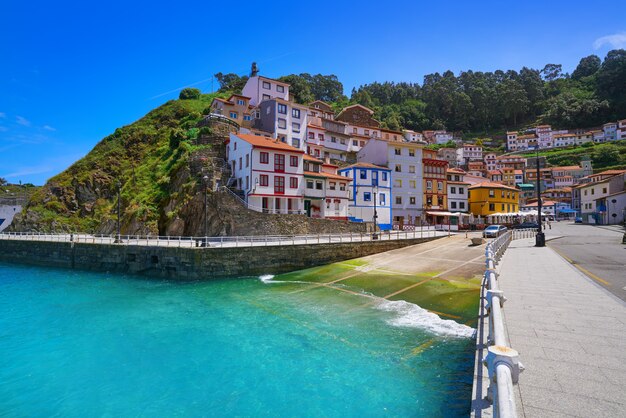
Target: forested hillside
480,102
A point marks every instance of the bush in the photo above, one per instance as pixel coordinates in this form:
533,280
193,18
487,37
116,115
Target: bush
176,136
189,94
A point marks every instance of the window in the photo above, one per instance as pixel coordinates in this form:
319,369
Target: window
279,163
295,127
429,201
429,185
397,183
233,115
411,169
353,130
502,194
264,158
282,123
411,200
295,113
453,190
235,146
440,186
332,185
366,132
247,182
264,180
309,184
267,85
282,109
241,102
384,173
333,139
398,151
461,190
293,182
492,206
342,141
295,142
363,174
492,193
367,197
412,184
320,137
381,198
398,168
279,185
453,205
247,117
280,89
604,190
311,135
342,187
247,160
502,207
240,163
267,97
355,143
461,205
319,185
411,153
398,200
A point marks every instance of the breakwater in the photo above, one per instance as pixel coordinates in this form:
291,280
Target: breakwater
190,263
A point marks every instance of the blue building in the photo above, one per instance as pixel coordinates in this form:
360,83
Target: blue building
370,188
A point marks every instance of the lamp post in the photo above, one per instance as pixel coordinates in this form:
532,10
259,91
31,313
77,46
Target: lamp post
205,181
375,192
540,239
118,186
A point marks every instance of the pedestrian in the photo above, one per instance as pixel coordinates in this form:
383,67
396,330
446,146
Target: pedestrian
549,224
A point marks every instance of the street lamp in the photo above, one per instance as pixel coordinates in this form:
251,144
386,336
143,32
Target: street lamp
118,186
206,218
540,239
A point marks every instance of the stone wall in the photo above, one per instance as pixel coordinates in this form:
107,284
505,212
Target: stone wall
190,263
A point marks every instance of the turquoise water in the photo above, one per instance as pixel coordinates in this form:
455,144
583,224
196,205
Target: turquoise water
81,344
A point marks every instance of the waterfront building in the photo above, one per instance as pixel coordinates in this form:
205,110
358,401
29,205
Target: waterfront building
259,89
438,137
563,194
327,138
321,109
434,186
286,121
488,198
370,191
583,137
457,190
549,207
495,176
269,173
236,108
508,176
404,159
325,191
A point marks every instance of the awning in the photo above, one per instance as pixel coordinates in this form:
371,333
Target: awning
444,213
568,211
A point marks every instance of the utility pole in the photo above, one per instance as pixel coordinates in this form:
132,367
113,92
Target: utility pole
540,239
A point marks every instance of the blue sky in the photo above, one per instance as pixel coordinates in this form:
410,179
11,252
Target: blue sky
71,72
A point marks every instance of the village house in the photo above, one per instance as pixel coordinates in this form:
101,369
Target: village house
325,191
404,159
434,186
472,152
457,190
268,172
488,198
603,184
361,126
448,154
621,129
556,209
259,89
236,108
615,204
544,136
286,121
370,193
610,131
490,160
412,136
519,176
494,176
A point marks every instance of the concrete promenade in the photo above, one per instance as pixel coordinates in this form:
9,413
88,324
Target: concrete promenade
570,333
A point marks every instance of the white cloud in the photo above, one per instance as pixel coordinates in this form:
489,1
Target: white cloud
617,40
49,128
22,121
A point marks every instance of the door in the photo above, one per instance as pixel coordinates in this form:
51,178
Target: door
307,207
374,178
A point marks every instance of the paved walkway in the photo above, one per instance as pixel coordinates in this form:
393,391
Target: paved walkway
570,333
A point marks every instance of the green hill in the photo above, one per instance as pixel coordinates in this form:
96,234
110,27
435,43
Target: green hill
605,156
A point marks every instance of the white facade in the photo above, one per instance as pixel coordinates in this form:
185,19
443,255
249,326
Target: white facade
544,136
412,136
491,162
511,141
7,213
269,173
621,129
370,192
442,137
610,131
286,121
260,88
472,152
458,196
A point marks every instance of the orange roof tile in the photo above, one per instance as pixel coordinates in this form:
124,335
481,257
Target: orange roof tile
492,185
367,165
326,175
264,142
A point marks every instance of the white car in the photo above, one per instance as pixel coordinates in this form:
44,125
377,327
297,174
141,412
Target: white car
493,231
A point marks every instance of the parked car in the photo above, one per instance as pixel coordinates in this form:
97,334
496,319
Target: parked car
493,231
526,225
578,220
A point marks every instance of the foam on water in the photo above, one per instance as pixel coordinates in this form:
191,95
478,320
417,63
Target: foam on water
267,278
413,316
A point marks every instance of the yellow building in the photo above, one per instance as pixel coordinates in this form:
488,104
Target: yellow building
488,198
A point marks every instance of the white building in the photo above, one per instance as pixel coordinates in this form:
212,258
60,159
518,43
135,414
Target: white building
412,136
610,131
370,193
544,136
621,129
472,152
457,190
259,88
404,159
598,135
286,121
491,163
269,173
325,191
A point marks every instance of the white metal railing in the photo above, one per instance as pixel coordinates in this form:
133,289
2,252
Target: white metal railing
501,360
218,242
265,210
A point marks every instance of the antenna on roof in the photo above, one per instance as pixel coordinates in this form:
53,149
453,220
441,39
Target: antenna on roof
254,70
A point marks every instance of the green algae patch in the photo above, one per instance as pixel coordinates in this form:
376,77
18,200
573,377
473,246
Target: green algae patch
321,274
382,284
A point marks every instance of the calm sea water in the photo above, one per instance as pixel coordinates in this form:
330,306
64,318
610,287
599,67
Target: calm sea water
80,344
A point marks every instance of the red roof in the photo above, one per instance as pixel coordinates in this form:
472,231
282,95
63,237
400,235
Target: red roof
327,175
492,185
264,142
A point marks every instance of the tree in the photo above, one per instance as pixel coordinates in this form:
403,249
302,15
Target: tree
189,94
586,67
513,99
608,155
299,88
611,81
552,72
3,181
231,82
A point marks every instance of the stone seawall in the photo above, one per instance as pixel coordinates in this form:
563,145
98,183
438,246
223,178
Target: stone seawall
190,263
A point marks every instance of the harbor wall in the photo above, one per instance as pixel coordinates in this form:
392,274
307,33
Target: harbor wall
190,263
